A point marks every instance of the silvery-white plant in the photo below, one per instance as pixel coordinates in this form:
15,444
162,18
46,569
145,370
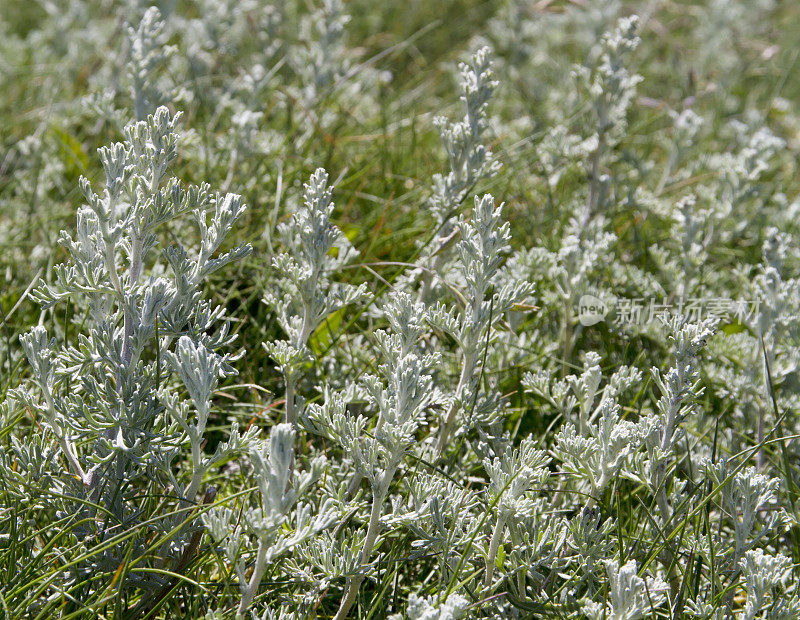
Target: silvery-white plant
514,480
441,516
327,79
537,544
470,160
757,364
686,126
765,576
610,88
596,443
148,55
278,520
400,394
740,196
692,231
487,296
321,60
429,608
330,557
140,74
631,597
463,140
107,396
304,295
590,544
775,294
532,44
580,266
679,390
747,500
581,500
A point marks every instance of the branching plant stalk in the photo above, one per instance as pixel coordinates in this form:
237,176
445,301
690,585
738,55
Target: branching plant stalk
354,582
290,413
255,579
67,446
467,370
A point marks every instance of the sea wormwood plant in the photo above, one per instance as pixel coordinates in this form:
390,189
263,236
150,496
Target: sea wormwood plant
278,521
463,140
595,444
400,393
109,396
471,161
603,491
304,294
610,88
148,55
487,297
632,597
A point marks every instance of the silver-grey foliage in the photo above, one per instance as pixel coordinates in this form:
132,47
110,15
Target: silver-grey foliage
450,446
108,397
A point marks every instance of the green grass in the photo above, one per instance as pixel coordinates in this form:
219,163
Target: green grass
383,163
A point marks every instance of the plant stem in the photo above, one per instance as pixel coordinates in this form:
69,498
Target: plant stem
494,546
255,580
449,422
354,582
290,413
593,200
67,447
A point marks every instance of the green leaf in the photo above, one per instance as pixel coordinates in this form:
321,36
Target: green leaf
323,336
351,231
733,328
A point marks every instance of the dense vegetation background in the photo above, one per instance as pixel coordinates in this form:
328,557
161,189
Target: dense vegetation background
678,188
